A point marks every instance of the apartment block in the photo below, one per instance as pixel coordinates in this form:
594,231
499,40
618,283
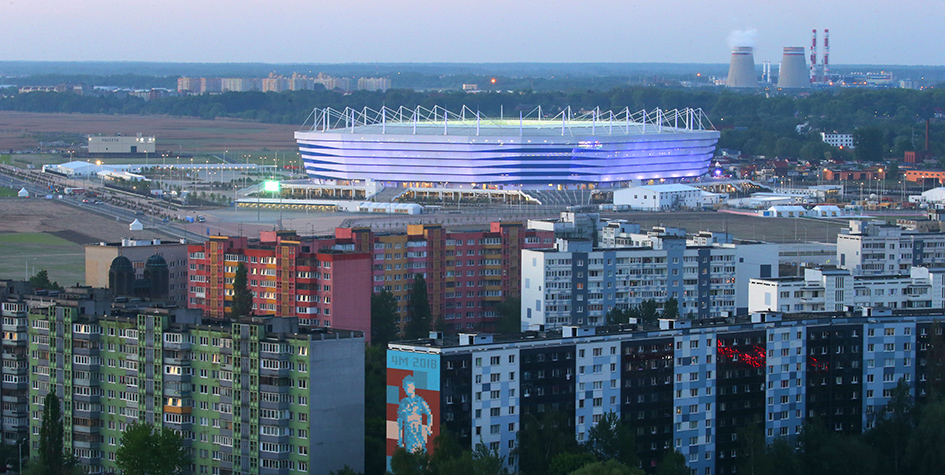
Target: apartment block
875,247
831,289
254,396
690,388
328,281
577,284
289,277
467,272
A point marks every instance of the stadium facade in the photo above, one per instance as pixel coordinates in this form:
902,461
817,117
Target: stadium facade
436,147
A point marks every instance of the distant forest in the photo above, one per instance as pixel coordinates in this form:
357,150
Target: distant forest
752,123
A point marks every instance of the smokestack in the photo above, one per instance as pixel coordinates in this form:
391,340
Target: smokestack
826,76
741,71
813,55
793,73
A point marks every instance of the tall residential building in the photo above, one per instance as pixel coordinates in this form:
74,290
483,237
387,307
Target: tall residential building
211,85
834,290
255,396
577,284
874,247
240,84
467,272
191,85
169,257
690,388
328,281
373,84
274,83
289,277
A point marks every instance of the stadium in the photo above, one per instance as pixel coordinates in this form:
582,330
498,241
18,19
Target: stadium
436,148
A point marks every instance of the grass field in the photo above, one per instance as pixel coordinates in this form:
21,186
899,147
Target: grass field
28,253
7,192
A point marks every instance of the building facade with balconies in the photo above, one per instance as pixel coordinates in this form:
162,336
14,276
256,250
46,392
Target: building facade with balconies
257,395
690,387
833,290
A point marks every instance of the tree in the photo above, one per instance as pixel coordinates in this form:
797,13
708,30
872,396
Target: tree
147,449
567,462
383,316
510,315
890,434
409,463
610,467
926,449
868,144
753,458
41,281
486,461
52,460
611,439
242,305
671,308
418,309
673,463
541,439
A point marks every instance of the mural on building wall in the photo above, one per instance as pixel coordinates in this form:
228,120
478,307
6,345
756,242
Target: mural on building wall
413,401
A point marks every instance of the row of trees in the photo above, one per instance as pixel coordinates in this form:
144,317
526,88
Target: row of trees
753,123
145,449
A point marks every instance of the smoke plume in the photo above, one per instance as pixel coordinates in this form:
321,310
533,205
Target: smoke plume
742,38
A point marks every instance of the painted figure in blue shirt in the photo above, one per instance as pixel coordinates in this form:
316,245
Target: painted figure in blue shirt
412,431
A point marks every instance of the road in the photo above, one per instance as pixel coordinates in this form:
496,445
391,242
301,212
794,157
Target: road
120,213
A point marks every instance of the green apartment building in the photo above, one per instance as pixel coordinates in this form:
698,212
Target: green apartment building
257,396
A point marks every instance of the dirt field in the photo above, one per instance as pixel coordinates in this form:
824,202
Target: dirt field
36,215
24,130
38,234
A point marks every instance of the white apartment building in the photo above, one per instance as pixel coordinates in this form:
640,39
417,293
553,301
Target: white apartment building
837,140
576,284
871,248
829,289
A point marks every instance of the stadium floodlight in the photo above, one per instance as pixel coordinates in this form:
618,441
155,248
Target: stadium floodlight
271,186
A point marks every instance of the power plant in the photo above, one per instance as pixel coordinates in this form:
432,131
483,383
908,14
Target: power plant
793,73
741,71
819,75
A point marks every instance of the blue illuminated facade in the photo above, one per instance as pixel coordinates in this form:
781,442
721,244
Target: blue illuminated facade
540,153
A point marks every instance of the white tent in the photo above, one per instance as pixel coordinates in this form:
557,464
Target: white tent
23,193
136,225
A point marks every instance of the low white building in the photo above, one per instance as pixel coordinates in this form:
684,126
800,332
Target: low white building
783,212
933,196
825,211
830,289
121,144
659,197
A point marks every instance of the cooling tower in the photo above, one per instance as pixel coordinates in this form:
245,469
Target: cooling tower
794,72
741,71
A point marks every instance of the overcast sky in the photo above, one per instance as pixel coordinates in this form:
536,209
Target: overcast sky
343,31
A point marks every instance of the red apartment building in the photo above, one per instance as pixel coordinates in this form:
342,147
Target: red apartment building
328,281
288,275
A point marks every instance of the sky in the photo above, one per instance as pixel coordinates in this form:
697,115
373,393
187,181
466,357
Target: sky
902,32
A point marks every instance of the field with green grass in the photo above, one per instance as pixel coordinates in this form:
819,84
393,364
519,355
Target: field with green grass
7,192
28,253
